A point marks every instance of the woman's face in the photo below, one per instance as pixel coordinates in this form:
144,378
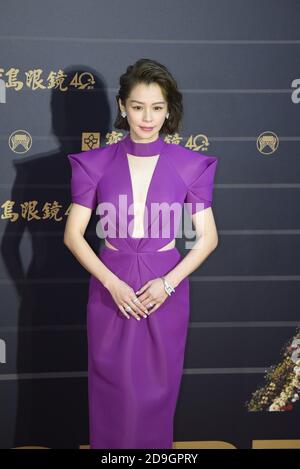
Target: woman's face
145,108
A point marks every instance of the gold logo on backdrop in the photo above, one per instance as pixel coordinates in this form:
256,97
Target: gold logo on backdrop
54,79
175,138
267,142
30,210
90,140
198,142
20,141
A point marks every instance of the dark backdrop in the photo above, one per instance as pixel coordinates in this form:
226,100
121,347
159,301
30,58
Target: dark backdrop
234,62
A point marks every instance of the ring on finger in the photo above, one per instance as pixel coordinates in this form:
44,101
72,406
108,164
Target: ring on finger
142,312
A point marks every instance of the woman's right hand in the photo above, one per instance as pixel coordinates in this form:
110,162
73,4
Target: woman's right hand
123,295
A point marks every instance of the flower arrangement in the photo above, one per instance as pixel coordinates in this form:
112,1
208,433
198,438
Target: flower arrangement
282,388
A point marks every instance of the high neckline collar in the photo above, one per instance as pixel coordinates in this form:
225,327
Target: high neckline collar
142,149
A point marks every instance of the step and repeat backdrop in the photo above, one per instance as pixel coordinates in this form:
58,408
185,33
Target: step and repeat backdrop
237,66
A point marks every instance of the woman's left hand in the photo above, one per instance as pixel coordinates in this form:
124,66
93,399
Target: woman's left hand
152,292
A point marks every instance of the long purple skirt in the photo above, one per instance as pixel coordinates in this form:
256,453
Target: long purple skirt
135,367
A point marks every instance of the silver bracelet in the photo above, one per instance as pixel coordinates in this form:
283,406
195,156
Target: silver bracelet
168,288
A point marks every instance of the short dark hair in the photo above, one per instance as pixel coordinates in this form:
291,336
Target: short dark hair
150,71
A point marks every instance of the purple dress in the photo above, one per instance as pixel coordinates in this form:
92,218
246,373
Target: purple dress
135,367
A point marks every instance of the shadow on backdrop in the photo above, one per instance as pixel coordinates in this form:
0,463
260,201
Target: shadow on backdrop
53,290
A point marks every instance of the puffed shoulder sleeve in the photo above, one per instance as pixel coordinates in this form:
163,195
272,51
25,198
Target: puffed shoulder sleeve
83,184
199,177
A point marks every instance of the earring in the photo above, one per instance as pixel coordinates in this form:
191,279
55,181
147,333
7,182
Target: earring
123,114
167,116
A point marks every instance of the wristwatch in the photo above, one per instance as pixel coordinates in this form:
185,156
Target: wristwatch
168,288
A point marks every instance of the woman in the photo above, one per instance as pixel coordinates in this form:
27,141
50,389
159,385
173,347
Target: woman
138,305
